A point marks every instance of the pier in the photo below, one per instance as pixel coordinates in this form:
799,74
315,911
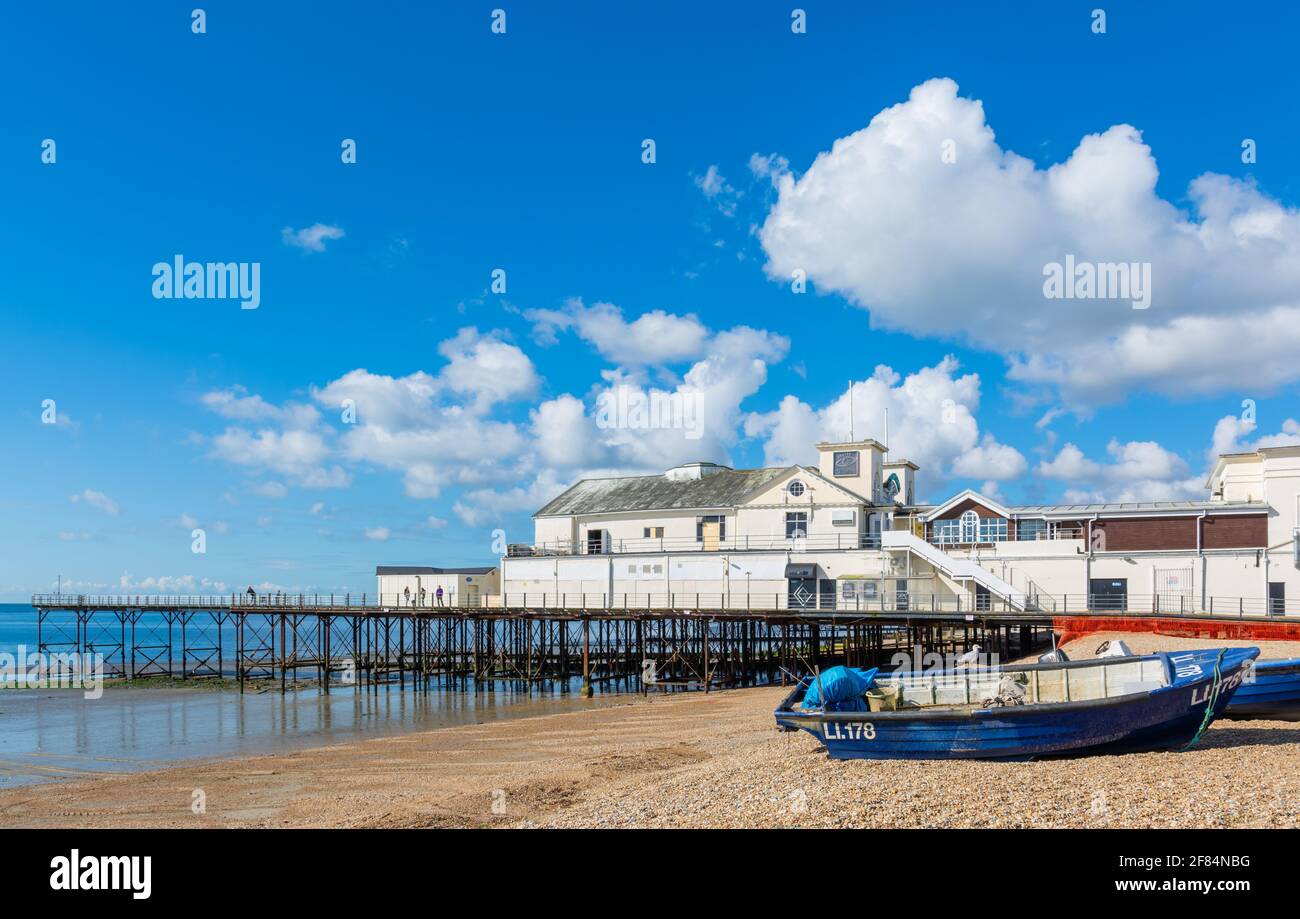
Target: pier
346,641
690,643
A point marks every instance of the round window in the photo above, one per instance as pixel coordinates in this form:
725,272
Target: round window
795,488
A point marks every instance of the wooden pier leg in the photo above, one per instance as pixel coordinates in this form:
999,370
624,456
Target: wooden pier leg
239,649
323,649
707,680
586,661
284,659
356,651
640,657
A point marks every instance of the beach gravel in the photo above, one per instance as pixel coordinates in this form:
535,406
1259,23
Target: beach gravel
688,760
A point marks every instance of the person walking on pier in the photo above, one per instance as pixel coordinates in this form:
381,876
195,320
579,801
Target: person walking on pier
407,592
438,595
423,594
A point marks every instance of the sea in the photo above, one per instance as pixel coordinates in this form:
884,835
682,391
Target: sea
59,734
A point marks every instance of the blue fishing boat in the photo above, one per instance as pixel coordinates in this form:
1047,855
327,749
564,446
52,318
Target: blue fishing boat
1273,693
1020,712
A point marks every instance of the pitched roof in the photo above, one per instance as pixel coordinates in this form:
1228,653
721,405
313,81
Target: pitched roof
968,494
420,569
723,488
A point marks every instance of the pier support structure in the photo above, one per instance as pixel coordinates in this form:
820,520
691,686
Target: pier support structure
349,645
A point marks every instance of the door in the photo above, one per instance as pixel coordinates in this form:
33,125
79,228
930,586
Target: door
471,595
802,593
900,594
826,588
711,530
1276,598
983,599
596,544
1108,594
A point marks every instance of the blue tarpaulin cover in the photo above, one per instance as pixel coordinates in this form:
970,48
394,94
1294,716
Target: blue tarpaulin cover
844,688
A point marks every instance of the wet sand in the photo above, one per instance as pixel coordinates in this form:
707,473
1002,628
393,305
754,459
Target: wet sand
53,734
683,761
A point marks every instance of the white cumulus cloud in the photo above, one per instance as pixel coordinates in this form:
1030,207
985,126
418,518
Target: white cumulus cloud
924,220
311,238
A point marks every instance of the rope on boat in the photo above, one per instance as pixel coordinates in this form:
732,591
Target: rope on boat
1209,706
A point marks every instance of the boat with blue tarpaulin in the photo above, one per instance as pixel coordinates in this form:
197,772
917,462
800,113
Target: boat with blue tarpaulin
1027,711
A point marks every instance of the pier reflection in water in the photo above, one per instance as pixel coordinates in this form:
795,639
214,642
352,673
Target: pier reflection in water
57,734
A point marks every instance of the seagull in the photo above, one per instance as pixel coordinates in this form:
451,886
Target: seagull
970,657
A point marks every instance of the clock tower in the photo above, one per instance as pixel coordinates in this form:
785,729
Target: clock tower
856,465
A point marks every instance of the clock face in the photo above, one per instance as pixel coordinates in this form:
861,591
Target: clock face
846,463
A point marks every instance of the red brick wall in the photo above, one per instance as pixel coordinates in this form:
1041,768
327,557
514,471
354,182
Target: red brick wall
1235,532
1134,534
970,505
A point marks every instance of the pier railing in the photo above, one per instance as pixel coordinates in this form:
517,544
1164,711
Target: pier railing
882,601
799,542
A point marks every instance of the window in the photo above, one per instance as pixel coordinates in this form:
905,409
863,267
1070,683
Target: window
947,531
795,488
654,532
970,528
720,520
858,591
1031,529
796,525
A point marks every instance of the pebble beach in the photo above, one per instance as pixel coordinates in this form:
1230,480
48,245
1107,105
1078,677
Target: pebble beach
688,760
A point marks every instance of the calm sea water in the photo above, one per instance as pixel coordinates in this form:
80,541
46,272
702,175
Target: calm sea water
17,626
57,734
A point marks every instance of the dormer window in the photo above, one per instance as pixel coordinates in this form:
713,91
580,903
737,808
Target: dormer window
796,489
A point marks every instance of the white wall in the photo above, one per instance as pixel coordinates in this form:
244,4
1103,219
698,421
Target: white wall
455,587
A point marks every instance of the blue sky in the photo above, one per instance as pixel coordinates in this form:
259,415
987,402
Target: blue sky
523,151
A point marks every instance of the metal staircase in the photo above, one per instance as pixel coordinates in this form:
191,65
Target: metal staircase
955,568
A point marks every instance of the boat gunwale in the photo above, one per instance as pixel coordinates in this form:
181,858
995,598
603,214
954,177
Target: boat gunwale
1274,665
